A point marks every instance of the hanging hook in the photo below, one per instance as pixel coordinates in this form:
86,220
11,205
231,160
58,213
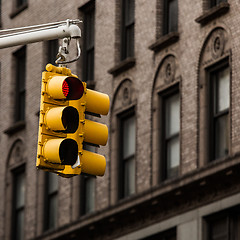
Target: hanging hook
63,51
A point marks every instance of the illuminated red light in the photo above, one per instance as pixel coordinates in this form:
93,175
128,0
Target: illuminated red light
65,88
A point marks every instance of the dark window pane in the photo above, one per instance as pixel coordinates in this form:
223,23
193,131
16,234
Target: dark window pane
52,183
127,48
18,205
87,193
52,51
216,2
20,225
221,136
218,229
90,194
20,59
171,16
129,177
166,235
52,215
88,44
20,190
51,207
130,40
21,2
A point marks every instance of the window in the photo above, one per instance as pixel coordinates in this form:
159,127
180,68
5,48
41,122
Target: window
18,204
216,2
170,129
20,61
87,194
127,155
166,235
219,112
52,51
127,48
224,225
170,21
20,3
88,50
51,201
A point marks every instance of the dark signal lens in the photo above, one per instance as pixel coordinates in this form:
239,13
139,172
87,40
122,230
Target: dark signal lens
65,88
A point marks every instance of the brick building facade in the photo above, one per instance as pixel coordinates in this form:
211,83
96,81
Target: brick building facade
173,154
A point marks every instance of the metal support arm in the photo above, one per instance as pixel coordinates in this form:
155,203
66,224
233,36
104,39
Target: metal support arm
41,34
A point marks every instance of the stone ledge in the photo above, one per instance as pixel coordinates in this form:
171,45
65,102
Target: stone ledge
164,41
18,126
122,66
213,13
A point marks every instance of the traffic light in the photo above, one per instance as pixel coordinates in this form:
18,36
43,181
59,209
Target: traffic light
89,132
58,118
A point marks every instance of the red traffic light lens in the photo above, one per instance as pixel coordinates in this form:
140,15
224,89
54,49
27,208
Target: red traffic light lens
65,88
72,88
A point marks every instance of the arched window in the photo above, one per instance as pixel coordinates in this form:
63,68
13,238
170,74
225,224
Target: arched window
214,97
166,121
123,141
15,192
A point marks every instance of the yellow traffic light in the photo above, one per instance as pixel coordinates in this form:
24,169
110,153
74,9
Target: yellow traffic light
57,119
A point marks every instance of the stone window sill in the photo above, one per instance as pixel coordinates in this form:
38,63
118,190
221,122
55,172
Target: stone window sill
213,13
18,10
164,41
122,66
18,126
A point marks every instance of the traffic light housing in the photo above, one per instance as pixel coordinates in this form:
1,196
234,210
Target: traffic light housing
58,118
64,129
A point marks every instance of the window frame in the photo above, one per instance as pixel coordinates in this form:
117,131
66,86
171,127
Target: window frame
163,96
20,57
212,72
48,196
166,18
83,206
121,161
15,173
127,47
232,217
168,234
214,3
52,51
88,10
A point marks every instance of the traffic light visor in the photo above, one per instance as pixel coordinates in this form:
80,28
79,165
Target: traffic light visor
61,151
64,87
62,119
